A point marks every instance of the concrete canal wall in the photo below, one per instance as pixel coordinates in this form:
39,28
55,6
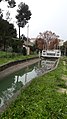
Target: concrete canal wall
12,67
3,67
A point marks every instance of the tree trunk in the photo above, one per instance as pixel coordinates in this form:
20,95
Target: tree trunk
19,32
4,41
4,44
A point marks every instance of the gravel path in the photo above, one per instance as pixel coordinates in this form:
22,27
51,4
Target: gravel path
17,67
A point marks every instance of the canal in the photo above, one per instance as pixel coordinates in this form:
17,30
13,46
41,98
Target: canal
12,83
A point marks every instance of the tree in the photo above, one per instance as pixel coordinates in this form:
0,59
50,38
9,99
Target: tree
39,43
8,16
24,51
32,49
7,32
51,40
62,48
23,38
65,47
11,3
24,14
1,14
16,45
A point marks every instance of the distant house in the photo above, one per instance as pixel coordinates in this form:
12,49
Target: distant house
33,40
61,42
27,45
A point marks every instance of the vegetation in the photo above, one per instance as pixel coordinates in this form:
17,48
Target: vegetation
64,48
41,99
24,14
11,3
47,40
7,32
6,57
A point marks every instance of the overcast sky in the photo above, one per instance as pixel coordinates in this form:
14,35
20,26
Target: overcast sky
48,15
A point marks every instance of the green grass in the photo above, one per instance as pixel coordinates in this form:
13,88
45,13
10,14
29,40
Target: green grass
41,100
6,57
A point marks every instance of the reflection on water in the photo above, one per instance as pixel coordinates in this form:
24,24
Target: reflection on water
11,84
26,77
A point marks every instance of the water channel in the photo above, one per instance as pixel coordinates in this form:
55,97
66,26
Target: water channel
12,83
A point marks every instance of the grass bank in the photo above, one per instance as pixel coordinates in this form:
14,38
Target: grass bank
6,57
42,99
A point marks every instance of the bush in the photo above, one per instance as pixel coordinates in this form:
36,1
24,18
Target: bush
24,51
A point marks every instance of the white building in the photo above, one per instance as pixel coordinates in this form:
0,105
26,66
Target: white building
61,42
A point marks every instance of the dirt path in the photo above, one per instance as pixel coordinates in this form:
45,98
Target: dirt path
64,77
17,67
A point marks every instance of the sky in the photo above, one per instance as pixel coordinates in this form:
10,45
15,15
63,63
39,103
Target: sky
48,15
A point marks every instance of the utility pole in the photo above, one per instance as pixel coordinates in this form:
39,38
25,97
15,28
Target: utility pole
27,38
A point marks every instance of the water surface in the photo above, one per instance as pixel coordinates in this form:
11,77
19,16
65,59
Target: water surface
12,83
